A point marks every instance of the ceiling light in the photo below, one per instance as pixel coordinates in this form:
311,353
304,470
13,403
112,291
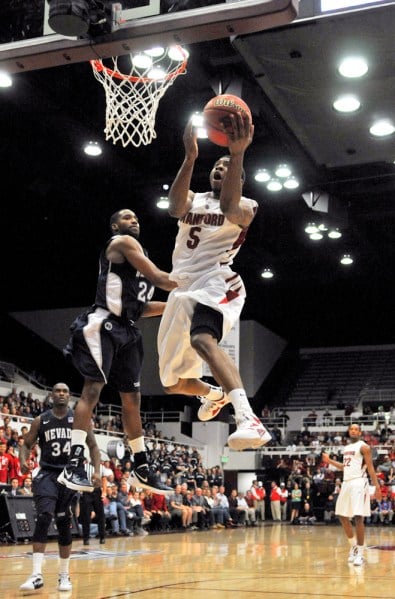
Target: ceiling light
346,259
322,227
274,185
177,53
311,228
165,186
156,73
353,66
334,233
155,52
92,148
5,79
347,103
197,119
316,236
283,171
382,128
141,61
267,273
262,175
163,203
291,183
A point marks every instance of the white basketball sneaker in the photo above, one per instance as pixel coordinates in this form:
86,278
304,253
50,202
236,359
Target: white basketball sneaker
210,408
250,433
34,582
359,560
64,583
352,554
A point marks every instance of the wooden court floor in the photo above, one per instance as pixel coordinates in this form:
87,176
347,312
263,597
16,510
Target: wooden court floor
275,561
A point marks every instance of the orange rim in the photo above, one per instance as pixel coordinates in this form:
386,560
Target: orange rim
99,66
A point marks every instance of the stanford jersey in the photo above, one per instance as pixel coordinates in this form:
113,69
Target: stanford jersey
353,461
206,229
54,438
121,289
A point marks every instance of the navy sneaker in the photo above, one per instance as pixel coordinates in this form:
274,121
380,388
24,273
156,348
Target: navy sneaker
142,477
73,476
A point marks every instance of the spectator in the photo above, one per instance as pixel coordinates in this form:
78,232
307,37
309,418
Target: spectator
247,506
202,514
283,501
296,502
385,511
307,514
15,488
177,508
259,494
329,510
275,502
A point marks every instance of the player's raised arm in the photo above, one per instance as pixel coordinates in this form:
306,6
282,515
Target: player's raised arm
239,138
180,196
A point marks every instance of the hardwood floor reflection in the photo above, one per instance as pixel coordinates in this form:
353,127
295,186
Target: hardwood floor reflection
277,561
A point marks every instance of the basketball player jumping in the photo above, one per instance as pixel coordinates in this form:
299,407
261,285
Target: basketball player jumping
106,346
210,296
354,499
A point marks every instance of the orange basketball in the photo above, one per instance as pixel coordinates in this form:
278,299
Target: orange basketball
217,111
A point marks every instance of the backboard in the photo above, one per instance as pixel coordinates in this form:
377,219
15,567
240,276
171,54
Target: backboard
27,42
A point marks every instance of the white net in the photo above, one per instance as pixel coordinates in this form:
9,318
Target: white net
134,85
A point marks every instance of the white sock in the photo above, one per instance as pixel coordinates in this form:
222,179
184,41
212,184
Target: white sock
360,549
64,563
214,393
137,445
78,437
240,402
38,559
352,541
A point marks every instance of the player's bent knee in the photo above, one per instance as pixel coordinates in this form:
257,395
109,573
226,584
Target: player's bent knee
43,522
63,524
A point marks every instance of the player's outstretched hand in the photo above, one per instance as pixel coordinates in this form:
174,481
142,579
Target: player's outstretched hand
190,141
240,134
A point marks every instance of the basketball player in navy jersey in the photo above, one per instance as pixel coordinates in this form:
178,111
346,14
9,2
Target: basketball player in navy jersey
210,296
52,431
106,346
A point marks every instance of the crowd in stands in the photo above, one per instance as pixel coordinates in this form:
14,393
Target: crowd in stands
296,487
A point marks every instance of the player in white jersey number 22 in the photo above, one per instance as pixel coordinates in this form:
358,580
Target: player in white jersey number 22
354,498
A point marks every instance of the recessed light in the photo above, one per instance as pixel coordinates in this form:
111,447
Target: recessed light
92,149
346,103
155,51
311,228
262,175
346,259
163,203
283,171
353,67
382,128
267,273
316,236
291,183
334,233
141,61
5,79
274,185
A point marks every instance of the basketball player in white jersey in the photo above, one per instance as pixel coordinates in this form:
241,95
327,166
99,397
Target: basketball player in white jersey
354,498
210,296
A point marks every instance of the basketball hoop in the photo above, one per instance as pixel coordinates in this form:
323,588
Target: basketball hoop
132,98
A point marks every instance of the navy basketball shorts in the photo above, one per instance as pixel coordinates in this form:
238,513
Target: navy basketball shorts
107,349
50,496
